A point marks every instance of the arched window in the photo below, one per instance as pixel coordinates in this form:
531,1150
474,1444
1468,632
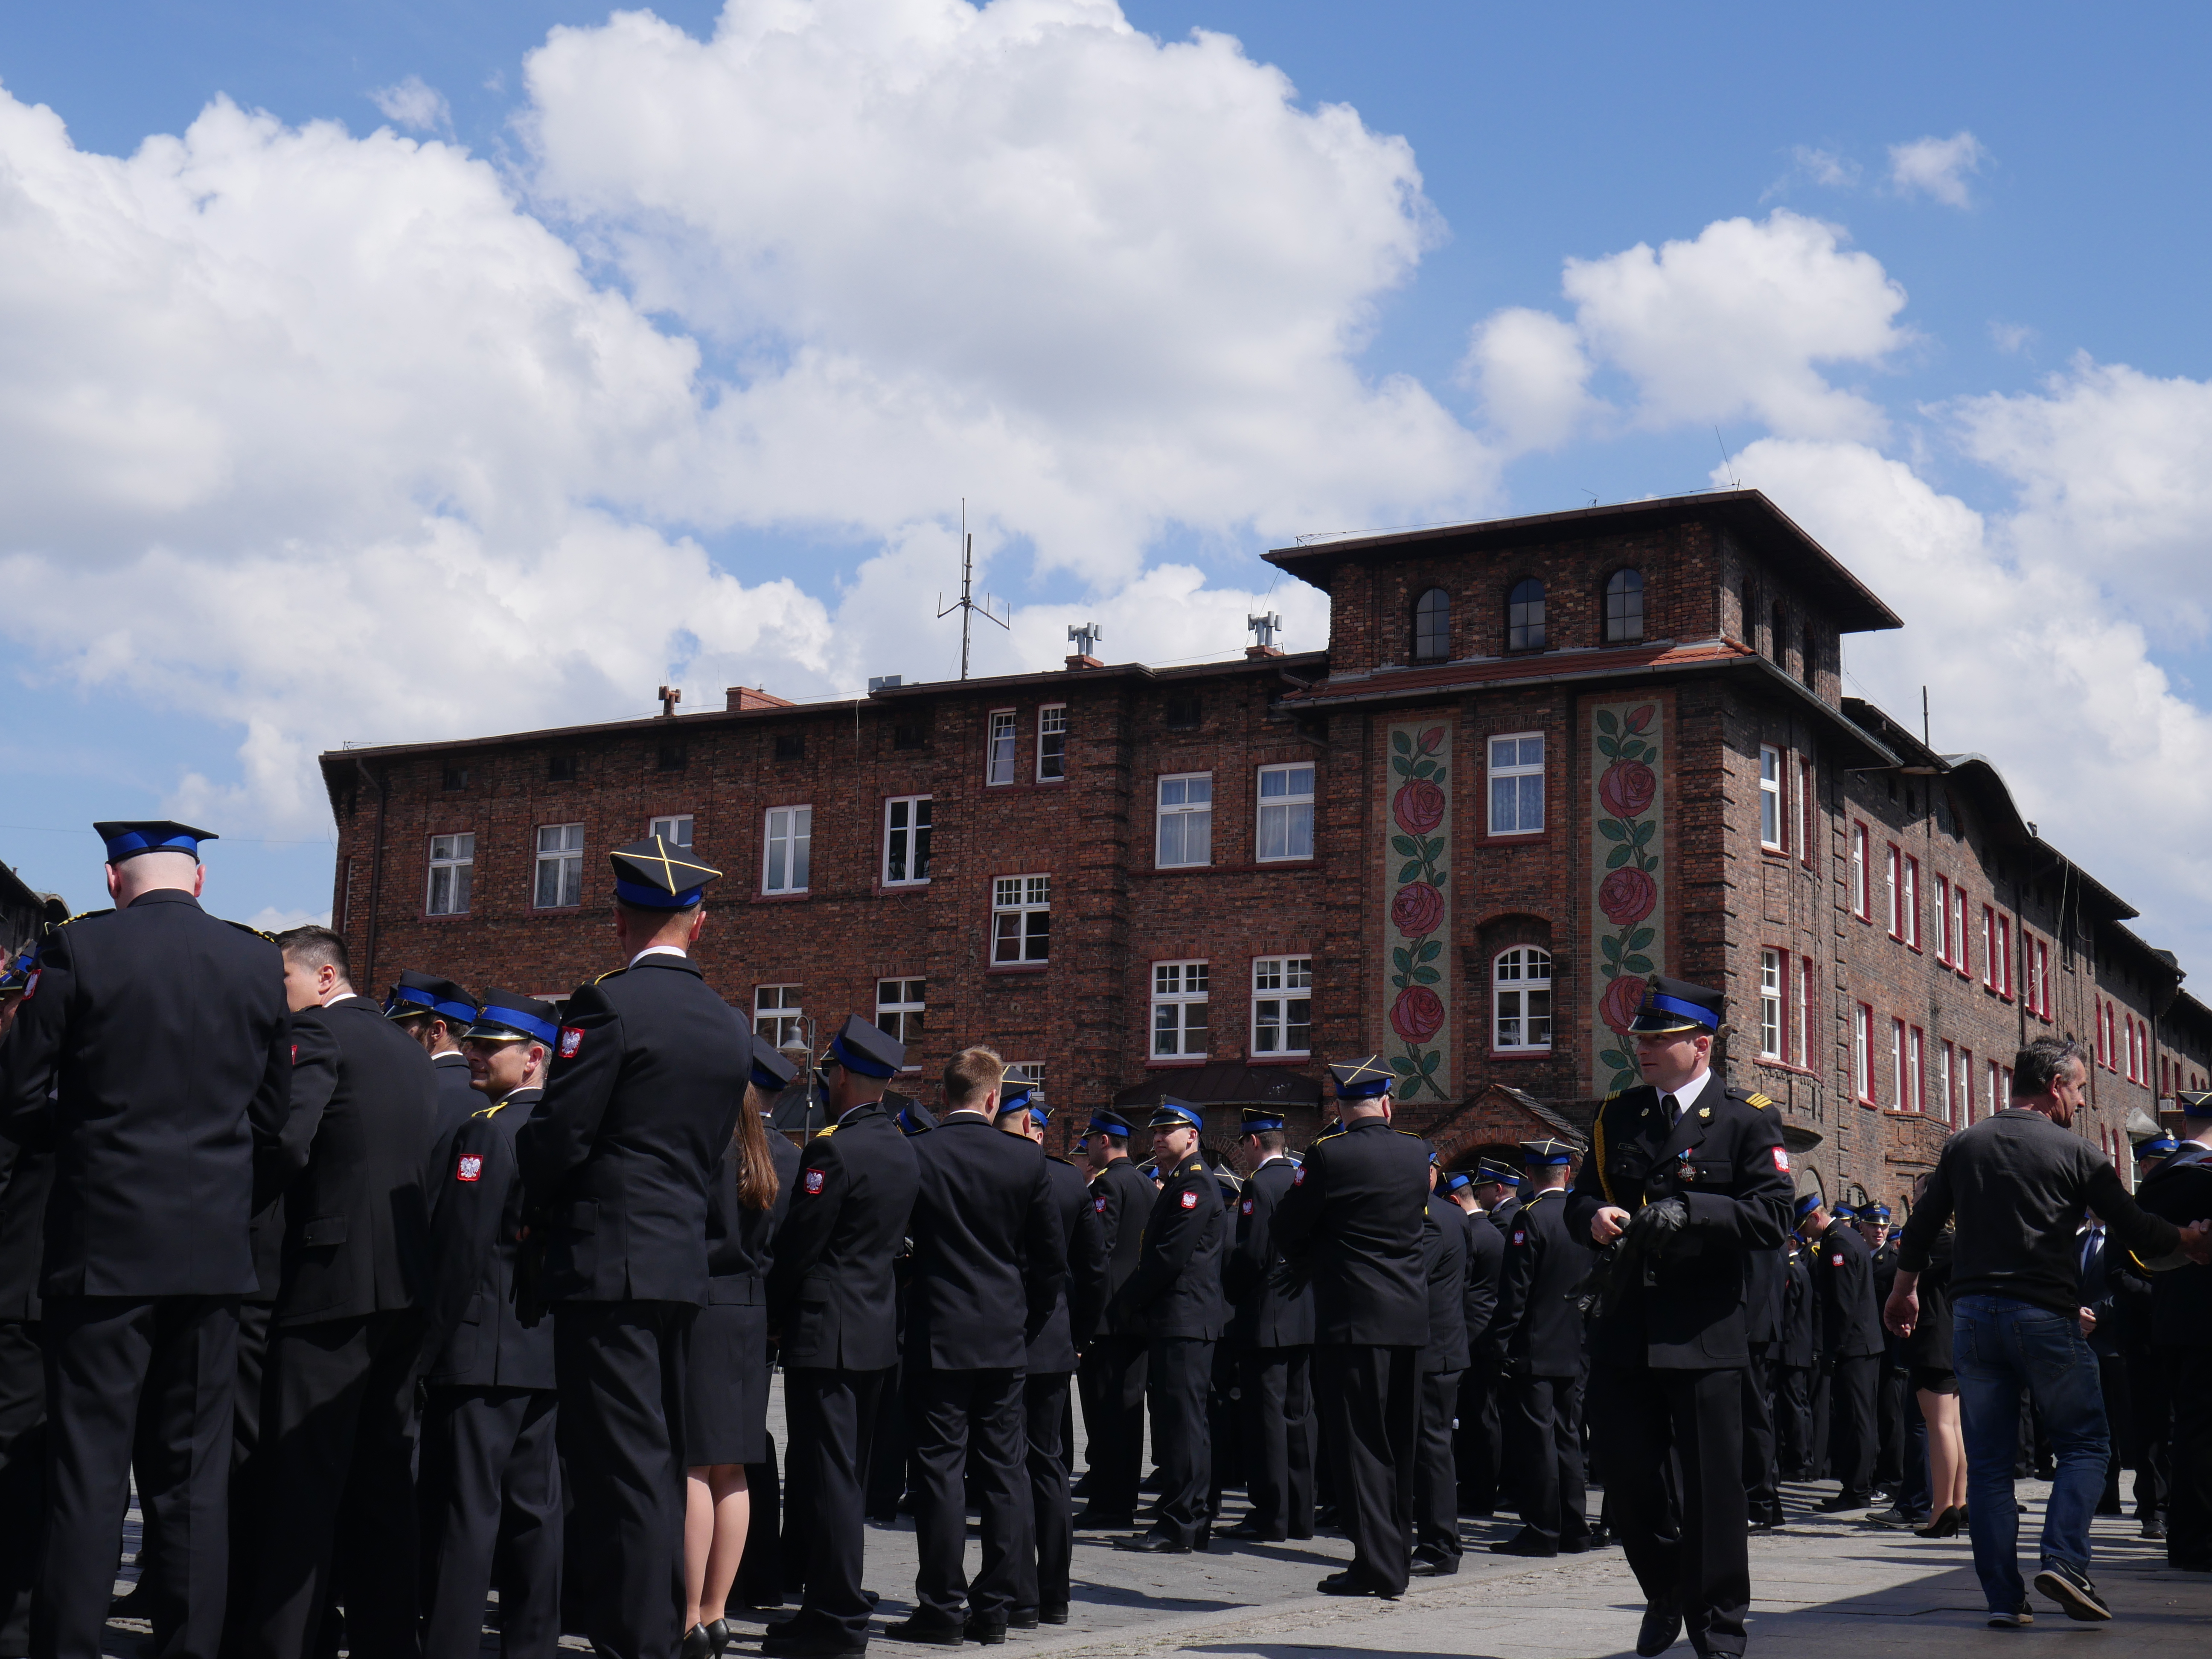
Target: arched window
1624,607
1433,626
1521,999
1524,616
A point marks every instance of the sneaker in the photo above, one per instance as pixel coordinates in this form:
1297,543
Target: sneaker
2016,1620
2070,1588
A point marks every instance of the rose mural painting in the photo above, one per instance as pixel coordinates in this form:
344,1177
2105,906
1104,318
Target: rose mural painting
1417,858
1626,920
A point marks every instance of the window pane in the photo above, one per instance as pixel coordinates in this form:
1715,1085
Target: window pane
1039,934
802,833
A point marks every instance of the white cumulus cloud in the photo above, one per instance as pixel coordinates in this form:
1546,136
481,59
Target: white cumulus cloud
415,106
1937,167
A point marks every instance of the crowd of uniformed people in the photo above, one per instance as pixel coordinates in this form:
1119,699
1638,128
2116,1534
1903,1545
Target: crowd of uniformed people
383,1308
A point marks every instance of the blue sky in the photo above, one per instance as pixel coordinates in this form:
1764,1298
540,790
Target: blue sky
2066,245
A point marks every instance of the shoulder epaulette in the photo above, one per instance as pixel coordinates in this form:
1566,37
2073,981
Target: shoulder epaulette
492,1110
1614,1095
86,916
825,1132
1196,1166
243,927
1757,1101
609,974
1055,1157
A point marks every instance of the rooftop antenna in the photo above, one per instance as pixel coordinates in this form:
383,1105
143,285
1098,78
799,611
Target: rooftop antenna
1264,627
1926,742
1727,461
966,605
1084,636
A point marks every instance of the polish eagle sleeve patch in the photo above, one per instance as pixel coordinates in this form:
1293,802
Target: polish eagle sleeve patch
1190,1200
1099,1204
1781,1161
814,1181
470,1168
1299,1178
1246,1207
572,1042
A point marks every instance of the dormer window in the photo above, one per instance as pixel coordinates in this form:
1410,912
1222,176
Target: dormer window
1624,607
1433,626
1524,616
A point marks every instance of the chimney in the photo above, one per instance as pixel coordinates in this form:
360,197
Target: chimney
1256,651
742,697
1074,663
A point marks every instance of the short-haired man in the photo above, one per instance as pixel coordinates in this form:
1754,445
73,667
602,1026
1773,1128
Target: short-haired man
1539,1309
1041,1592
988,1267
1271,1329
150,1055
648,1077
1850,1345
2018,1183
1354,1221
1490,1196
436,1012
1447,1268
1112,1374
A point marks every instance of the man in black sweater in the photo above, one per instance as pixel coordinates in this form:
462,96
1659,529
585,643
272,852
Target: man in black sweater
2018,1183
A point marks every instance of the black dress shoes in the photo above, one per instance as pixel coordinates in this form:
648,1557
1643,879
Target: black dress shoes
1246,1530
931,1632
991,1632
1661,1629
1525,1542
1053,1613
1153,1543
1351,1583
1431,1566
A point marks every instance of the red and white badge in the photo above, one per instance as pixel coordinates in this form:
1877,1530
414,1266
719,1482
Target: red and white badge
470,1168
1781,1160
1190,1200
572,1041
1246,1207
31,985
1299,1179
1521,1238
296,1054
1835,1261
1099,1204
814,1180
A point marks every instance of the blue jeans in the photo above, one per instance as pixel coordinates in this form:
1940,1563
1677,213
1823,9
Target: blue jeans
2001,1347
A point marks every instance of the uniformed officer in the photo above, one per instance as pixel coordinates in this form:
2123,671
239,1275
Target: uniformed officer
989,1267
1762,1331
1174,1296
832,1313
1498,1189
1539,1307
437,1014
2180,1190
1041,1568
25,1176
889,1488
1851,1347
1447,1267
491,1477
1352,1222
1476,1447
1272,1328
648,1077
1686,1175
1113,1370
336,1488
1892,1445
1797,1358
151,1055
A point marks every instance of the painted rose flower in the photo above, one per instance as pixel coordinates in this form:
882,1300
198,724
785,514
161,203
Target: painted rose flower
1431,738
1417,910
1639,718
1417,1015
1621,1001
1419,808
1627,896
1626,788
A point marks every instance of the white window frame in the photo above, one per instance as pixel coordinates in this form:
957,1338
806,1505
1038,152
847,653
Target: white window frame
998,749
1290,813
913,837
1862,1052
1521,769
777,1011
676,822
1893,880
1523,986
1016,901
786,849
1183,811
1897,1055
1803,1006
1911,900
1179,988
1276,981
565,860
1772,816
1052,761
1962,954
1947,1060
458,862
1861,877
1943,919
1773,989
906,1013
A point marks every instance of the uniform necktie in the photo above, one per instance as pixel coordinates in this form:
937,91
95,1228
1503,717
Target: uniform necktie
1674,1111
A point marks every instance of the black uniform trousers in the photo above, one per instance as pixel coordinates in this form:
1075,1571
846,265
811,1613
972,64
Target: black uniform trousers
103,1353
1115,1402
621,1367
1762,1475
336,1489
1697,1559
831,1414
1436,1478
1224,1437
890,1452
22,1477
1178,1371
1277,1385
2113,1384
1477,1453
1891,1428
1370,1407
1545,1418
491,1505
2150,1409
2188,1456
1851,1428
966,1423
1042,1560
1793,1422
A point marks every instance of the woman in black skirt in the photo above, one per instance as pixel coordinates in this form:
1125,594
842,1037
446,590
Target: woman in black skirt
1927,1359
725,1392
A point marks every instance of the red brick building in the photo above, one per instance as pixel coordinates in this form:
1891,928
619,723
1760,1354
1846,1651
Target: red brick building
1540,757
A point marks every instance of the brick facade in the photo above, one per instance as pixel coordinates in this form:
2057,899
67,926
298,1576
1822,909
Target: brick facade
1737,671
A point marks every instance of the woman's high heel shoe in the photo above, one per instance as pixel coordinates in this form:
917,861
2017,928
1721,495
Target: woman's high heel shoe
1945,1525
698,1644
720,1630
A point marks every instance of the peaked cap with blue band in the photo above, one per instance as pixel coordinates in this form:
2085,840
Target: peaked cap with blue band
1844,1212
1875,1212
1026,1096
1458,1181
511,1017
414,993
1491,1172
1173,1114
656,874
1675,1004
772,1074
1805,1205
127,840
1367,1078
2194,1103
1104,1122
1547,1154
2162,1146
1259,1119
866,1050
